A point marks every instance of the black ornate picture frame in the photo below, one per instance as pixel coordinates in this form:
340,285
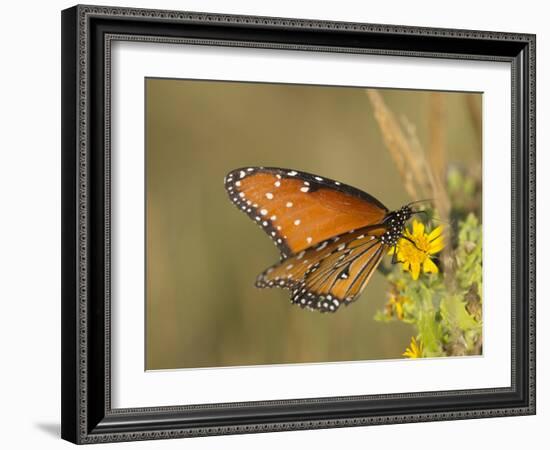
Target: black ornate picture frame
87,35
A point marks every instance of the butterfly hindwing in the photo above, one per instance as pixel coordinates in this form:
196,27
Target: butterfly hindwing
299,210
331,273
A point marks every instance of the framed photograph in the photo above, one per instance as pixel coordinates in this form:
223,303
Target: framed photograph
279,224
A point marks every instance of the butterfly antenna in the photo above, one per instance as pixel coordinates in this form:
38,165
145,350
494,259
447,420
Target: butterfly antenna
433,219
420,211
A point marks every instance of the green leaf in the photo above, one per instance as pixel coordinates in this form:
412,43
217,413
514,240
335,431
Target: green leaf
430,333
381,316
455,315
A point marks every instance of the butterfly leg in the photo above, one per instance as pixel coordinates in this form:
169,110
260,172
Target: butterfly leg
394,259
394,256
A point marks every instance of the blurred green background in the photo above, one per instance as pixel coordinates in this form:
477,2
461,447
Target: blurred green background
203,255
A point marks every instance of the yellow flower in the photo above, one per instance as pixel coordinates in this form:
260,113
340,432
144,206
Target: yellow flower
414,350
395,303
415,248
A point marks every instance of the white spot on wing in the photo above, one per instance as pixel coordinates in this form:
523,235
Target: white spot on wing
289,204
297,222
309,239
269,196
322,246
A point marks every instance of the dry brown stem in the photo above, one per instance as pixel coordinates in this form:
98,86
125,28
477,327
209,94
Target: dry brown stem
474,108
422,174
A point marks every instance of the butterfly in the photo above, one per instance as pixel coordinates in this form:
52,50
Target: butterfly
331,236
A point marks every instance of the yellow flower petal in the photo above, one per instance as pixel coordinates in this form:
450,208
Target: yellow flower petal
414,350
429,266
435,239
418,228
436,245
435,233
415,269
399,311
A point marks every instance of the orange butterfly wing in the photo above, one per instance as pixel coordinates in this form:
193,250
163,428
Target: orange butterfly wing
332,273
299,210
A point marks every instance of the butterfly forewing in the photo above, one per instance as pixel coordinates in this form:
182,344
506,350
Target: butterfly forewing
330,273
299,210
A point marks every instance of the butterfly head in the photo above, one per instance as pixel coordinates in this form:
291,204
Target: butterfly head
395,222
